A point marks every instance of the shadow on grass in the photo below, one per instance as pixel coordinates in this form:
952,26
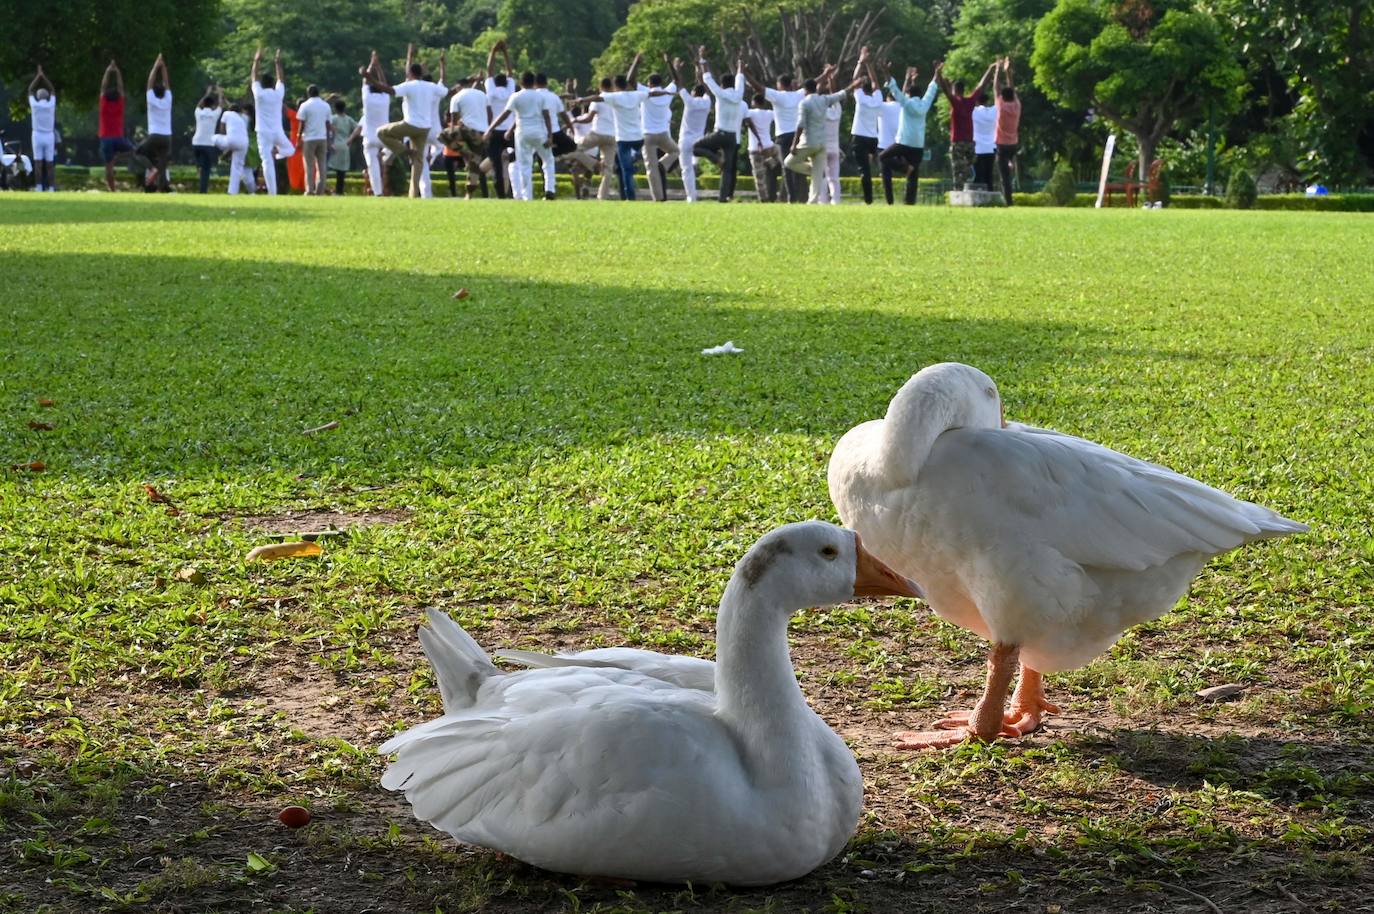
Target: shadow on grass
114,836
82,208
211,365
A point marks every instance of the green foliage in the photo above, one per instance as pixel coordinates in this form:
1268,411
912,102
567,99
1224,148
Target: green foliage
562,36
74,40
1241,191
1144,67
1061,188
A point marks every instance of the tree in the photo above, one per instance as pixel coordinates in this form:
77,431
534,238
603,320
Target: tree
75,39
1324,50
1144,66
562,36
324,42
730,27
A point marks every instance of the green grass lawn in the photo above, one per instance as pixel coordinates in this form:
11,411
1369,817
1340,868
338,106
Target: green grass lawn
553,461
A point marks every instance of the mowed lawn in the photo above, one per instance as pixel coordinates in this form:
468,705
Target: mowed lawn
553,461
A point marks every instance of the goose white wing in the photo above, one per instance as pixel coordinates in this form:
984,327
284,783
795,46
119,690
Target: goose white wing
684,672
545,757
1097,507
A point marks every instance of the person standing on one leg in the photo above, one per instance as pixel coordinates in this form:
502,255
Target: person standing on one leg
561,142
808,154
468,114
763,150
268,93
533,130
376,115
157,146
343,132
984,142
601,139
208,111
417,96
868,106
909,149
43,116
785,98
830,190
660,151
113,143
729,118
626,102
499,87
889,116
316,132
961,124
696,110
234,141
1008,135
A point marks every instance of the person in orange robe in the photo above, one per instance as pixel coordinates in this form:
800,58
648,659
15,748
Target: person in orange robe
295,166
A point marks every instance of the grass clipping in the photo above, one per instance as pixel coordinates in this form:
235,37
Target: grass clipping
284,551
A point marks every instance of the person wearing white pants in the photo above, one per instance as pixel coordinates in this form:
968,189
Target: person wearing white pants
696,110
43,113
533,132
267,102
831,190
234,140
376,115
808,154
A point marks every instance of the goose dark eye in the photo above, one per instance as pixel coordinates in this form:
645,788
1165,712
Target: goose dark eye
830,552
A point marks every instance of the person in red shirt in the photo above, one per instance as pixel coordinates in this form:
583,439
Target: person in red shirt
961,105
113,144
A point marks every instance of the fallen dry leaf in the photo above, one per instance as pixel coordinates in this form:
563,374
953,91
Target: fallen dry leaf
284,551
45,402
1221,692
36,466
461,294
328,426
191,575
39,426
155,496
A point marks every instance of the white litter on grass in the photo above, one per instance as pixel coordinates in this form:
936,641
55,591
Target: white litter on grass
726,348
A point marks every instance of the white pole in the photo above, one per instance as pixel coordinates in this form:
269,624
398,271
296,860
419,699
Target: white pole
1106,166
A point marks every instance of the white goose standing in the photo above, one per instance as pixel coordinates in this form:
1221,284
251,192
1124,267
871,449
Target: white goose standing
1047,545
614,771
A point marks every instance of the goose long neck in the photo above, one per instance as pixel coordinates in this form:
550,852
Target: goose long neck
917,416
755,685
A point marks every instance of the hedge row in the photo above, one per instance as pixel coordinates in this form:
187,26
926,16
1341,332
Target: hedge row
1361,203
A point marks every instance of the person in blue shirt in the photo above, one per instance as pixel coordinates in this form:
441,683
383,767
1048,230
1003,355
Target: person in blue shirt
909,149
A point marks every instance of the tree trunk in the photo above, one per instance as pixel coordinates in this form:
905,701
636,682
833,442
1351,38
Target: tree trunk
1147,142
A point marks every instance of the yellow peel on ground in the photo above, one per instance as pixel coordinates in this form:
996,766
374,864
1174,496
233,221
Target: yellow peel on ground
284,551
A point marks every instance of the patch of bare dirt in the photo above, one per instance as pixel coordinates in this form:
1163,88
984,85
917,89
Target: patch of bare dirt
312,520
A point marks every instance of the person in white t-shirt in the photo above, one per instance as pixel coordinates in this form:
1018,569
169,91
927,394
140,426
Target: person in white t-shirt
626,100
234,140
376,115
600,138
724,140
868,106
785,98
499,87
417,96
273,143
156,148
533,132
984,142
660,152
468,123
889,117
43,114
830,192
763,151
208,111
433,147
315,115
696,111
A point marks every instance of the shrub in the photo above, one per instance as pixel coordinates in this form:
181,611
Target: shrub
1241,191
1061,188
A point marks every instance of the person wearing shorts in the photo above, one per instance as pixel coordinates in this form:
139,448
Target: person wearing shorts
43,113
113,143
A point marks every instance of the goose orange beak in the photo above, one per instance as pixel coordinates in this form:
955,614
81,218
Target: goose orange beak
872,578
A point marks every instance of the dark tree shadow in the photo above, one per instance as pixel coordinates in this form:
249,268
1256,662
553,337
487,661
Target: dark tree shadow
82,208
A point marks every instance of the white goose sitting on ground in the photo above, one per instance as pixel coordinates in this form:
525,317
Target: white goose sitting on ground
607,771
1047,545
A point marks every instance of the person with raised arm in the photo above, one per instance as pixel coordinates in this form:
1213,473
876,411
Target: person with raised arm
533,132
660,151
1008,133
910,148
499,86
626,100
961,105
418,104
156,147
269,90
764,158
808,155
601,138
724,140
785,98
43,115
468,116
868,106
376,115
113,143
208,111
234,141
696,110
